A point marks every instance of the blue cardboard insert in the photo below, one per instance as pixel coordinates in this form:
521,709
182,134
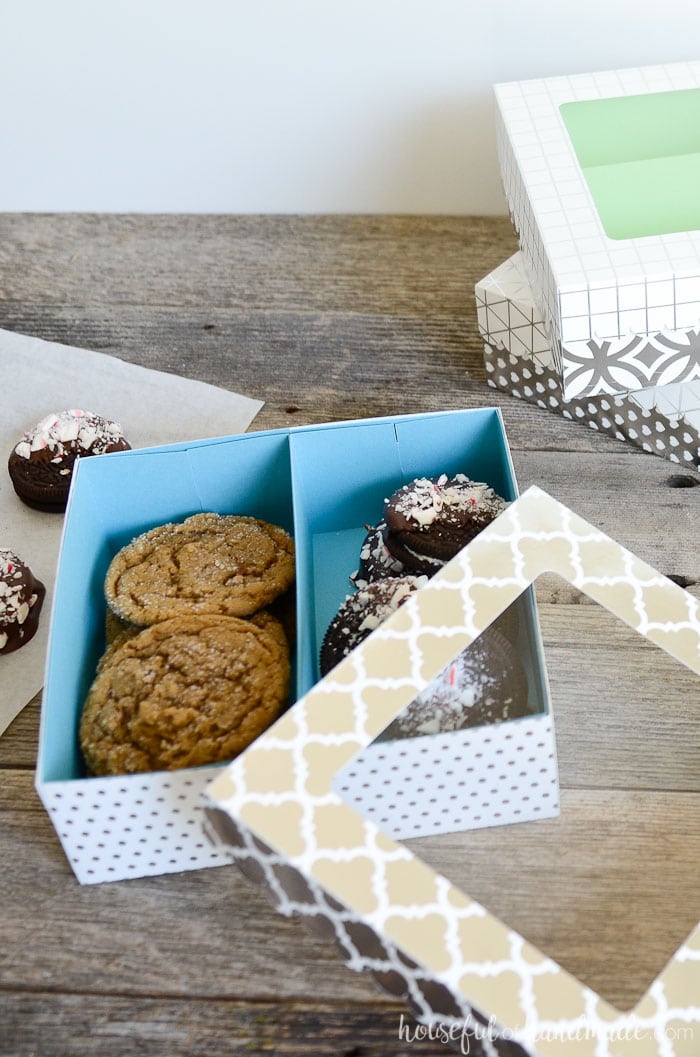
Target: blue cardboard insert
321,483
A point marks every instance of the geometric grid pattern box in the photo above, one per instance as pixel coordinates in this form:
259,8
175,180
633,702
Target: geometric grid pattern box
519,359
601,174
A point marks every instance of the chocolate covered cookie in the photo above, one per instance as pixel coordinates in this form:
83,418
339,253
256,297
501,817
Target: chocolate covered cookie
361,613
376,560
41,463
189,691
209,563
430,519
21,599
485,683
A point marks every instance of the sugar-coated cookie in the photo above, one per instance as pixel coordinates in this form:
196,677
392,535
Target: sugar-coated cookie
41,463
116,628
209,563
21,599
192,690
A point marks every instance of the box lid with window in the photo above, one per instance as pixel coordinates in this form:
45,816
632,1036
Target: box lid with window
601,174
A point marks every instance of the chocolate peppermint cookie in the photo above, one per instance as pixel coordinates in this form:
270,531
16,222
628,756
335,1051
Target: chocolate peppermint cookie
41,463
430,519
485,683
21,599
362,612
376,560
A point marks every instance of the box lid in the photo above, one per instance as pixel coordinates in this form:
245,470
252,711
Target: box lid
600,173
275,811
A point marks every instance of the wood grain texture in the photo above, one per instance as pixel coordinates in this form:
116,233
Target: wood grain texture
331,318
609,889
206,1027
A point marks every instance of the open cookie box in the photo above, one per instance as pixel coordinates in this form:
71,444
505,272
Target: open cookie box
323,484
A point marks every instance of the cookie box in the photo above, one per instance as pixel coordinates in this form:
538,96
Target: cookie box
466,974
519,359
323,484
601,173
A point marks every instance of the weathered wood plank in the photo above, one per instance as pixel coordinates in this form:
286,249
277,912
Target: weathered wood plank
302,263
572,886
18,743
626,713
609,889
629,498
363,366
164,935
330,318
206,1027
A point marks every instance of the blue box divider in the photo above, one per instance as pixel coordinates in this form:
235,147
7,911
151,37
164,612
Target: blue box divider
322,483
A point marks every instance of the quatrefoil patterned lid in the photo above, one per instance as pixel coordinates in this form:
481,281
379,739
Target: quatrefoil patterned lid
280,789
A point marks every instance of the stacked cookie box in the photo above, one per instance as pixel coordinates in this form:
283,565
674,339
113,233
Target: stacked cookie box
597,318
133,825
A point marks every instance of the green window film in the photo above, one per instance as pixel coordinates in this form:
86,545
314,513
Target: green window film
640,156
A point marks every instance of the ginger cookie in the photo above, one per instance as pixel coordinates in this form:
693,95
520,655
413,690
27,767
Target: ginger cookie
209,563
115,627
118,631
188,691
270,624
284,609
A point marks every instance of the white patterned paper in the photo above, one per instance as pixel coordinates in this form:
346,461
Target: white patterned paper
599,295
519,359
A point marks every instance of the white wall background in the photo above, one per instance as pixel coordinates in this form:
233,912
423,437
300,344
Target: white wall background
378,106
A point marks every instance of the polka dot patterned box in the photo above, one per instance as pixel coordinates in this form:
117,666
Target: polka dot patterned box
601,174
304,480
519,359
469,976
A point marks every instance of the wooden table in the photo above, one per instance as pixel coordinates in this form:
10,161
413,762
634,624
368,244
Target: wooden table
332,318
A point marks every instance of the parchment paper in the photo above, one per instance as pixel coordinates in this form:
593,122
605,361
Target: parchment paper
152,407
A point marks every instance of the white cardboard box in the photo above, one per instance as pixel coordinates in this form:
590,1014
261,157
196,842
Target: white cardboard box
519,359
144,824
601,174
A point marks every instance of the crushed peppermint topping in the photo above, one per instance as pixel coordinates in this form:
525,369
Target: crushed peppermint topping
65,431
395,594
376,560
425,499
361,613
16,598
